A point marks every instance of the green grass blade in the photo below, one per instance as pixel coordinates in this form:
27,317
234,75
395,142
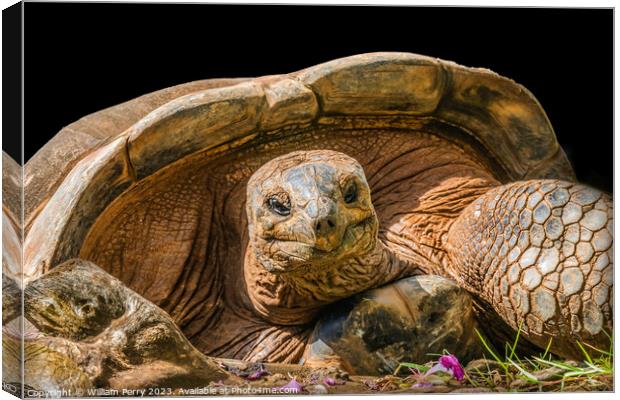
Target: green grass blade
611,341
585,353
594,372
533,364
495,356
607,353
488,348
419,367
471,381
581,372
527,375
514,345
557,364
548,347
595,368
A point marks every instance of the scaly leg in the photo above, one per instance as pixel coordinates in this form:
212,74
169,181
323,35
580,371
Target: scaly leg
89,323
541,253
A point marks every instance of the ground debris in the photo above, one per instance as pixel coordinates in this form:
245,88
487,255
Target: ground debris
482,364
250,371
482,376
543,375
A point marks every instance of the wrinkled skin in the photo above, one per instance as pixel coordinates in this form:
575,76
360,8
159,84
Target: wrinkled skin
312,228
311,215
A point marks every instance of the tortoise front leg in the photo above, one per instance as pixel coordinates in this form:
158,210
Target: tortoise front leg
117,338
411,320
540,252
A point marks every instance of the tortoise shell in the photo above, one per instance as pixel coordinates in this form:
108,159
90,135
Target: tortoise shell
153,190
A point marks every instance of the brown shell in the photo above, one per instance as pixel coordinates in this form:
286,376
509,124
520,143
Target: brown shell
11,218
50,165
88,164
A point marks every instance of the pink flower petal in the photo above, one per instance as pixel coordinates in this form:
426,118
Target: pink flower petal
292,387
257,374
451,363
437,368
331,382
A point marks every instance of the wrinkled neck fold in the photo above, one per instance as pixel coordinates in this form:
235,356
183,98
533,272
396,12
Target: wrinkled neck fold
297,297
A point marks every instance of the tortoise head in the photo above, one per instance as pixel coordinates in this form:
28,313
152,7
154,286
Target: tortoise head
309,209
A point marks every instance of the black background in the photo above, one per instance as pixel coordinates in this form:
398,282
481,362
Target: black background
80,58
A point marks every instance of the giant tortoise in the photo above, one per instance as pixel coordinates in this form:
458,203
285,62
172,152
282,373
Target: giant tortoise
245,208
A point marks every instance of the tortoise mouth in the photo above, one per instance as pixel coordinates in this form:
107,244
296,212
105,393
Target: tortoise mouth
290,255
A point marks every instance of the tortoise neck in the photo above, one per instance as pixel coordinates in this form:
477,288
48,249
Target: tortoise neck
296,298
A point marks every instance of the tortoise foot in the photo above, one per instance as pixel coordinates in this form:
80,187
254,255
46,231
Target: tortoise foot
107,335
411,320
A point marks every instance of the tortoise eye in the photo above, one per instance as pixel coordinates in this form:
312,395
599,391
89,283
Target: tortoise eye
280,204
350,192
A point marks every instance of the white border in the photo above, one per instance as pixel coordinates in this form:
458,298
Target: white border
478,3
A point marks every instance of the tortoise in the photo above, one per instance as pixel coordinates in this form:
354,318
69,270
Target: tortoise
245,208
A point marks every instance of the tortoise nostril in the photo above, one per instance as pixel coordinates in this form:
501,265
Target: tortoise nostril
325,226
